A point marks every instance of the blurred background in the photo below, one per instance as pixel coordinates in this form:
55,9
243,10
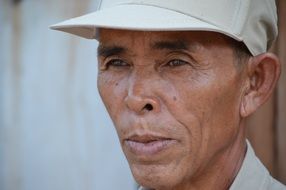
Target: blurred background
55,132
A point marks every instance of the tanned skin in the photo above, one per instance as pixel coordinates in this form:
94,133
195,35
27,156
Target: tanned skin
179,102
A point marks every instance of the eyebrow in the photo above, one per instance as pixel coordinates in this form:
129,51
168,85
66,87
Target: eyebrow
171,45
110,50
107,51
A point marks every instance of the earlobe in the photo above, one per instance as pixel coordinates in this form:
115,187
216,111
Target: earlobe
263,72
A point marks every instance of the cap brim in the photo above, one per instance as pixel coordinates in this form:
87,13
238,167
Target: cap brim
136,17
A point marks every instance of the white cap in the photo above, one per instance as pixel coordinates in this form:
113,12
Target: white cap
254,22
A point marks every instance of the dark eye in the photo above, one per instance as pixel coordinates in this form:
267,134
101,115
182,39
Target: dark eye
176,62
117,63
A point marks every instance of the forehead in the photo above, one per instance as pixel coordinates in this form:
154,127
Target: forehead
190,38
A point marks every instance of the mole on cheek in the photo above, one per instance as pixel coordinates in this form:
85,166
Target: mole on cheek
175,98
116,84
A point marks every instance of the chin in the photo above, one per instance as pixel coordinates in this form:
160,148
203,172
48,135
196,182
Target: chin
157,177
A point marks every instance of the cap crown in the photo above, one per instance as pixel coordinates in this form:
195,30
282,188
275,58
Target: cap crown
253,22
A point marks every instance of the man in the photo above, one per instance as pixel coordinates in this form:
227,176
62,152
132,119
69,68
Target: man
179,78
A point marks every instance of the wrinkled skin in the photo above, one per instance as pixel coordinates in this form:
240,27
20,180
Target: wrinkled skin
183,86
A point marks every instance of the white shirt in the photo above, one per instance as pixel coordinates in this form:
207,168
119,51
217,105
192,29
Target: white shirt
252,175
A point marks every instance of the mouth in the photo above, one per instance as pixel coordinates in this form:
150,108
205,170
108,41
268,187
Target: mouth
148,145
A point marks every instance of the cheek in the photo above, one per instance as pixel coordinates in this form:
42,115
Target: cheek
209,110
112,91
185,106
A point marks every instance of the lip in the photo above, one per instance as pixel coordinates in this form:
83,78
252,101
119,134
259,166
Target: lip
148,145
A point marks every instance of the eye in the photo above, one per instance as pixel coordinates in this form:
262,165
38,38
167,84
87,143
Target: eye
176,62
117,63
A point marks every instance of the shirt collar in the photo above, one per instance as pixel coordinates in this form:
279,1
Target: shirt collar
252,173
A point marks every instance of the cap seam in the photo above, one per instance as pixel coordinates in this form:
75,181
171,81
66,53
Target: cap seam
99,5
243,28
233,20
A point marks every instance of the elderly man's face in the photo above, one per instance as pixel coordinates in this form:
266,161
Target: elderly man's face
174,98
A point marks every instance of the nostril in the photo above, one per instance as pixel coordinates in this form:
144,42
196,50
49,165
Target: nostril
148,107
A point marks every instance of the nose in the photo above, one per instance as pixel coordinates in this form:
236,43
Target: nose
141,99
141,105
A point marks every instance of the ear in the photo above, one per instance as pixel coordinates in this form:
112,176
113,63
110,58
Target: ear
263,72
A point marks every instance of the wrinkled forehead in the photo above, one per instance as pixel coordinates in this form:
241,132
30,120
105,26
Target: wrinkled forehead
151,44
181,39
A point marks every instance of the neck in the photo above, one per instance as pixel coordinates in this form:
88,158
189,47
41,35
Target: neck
231,164
226,166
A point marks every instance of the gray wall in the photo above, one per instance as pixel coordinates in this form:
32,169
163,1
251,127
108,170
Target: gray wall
55,133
